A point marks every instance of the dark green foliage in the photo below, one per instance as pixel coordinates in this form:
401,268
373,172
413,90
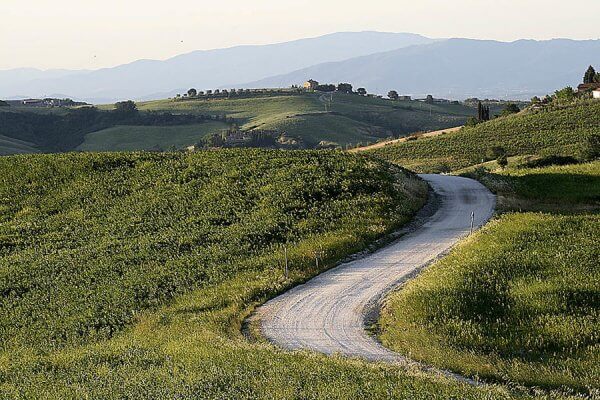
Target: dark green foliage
192,92
590,75
471,122
483,112
591,150
511,108
393,95
344,88
495,152
502,161
361,91
550,160
3,103
64,132
566,95
325,88
126,108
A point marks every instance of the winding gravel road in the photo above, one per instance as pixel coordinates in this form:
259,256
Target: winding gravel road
328,313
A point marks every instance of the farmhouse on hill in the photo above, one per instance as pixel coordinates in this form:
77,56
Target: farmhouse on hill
588,86
311,84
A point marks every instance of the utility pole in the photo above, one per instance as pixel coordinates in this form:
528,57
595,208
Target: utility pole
472,221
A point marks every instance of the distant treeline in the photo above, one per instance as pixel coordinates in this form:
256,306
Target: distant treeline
64,132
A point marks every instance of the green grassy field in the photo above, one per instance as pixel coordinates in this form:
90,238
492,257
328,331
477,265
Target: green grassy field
352,119
553,188
129,275
559,130
132,138
517,302
10,145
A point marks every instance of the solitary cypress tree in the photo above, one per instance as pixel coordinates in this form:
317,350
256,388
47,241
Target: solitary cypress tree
590,75
483,112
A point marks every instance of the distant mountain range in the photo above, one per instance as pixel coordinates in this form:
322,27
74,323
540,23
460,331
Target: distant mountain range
460,68
409,63
211,69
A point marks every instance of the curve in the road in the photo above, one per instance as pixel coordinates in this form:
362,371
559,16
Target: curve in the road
328,313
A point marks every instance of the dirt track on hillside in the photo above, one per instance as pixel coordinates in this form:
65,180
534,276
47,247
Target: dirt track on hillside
404,139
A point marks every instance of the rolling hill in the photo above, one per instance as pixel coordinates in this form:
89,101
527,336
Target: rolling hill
555,130
299,119
459,68
350,119
128,275
206,69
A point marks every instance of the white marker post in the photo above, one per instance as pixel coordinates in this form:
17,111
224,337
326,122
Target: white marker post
472,221
285,268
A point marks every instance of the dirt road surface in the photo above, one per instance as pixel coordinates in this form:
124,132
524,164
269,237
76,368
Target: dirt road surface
328,313
404,139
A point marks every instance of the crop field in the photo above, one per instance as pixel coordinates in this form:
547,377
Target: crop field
559,131
518,302
132,138
350,119
129,275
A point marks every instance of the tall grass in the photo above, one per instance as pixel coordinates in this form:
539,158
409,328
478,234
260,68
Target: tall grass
518,302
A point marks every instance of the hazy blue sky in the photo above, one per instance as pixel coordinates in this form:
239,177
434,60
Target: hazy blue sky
100,33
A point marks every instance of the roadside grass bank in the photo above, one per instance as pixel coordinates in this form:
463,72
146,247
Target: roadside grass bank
517,302
573,188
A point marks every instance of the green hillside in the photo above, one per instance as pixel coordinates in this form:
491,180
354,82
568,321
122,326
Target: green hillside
10,145
555,130
131,138
349,119
553,188
518,301
297,120
128,275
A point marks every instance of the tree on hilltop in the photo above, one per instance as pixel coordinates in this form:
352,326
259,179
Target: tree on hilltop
566,94
393,95
325,88
361,91
590,75
192,92
126,107
344,88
